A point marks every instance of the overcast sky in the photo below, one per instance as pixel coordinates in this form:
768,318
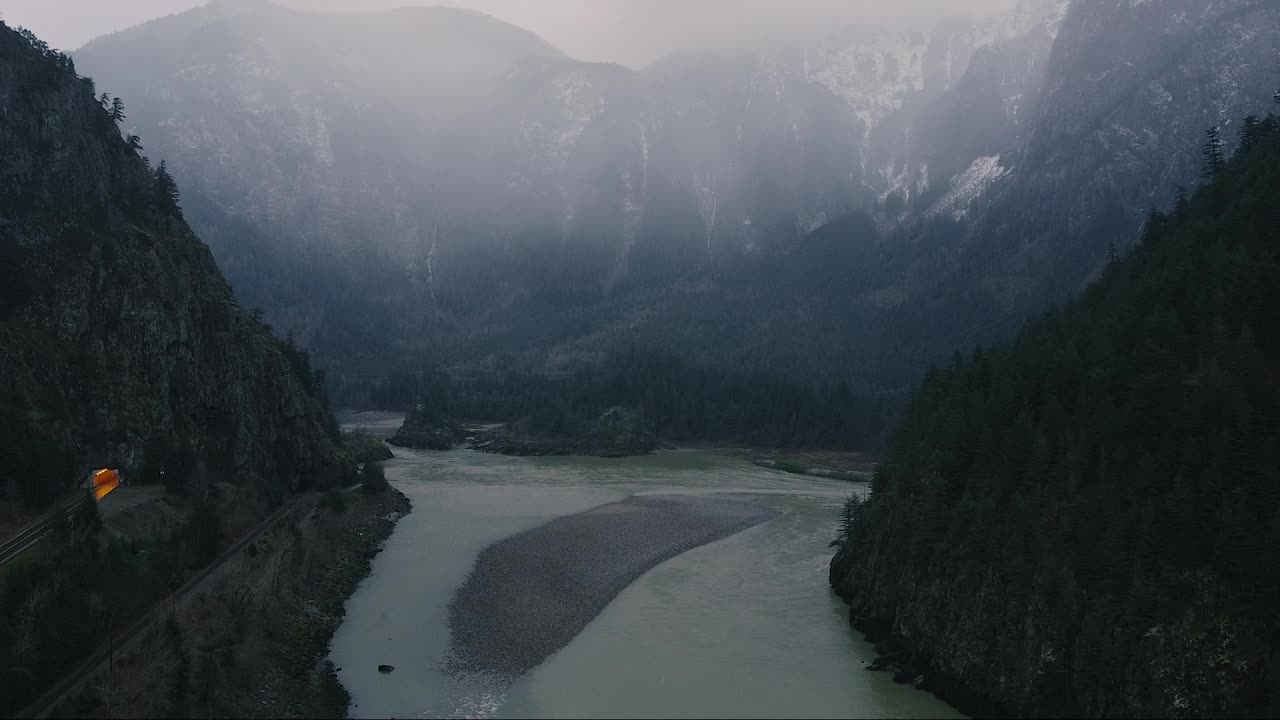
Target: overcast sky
632,32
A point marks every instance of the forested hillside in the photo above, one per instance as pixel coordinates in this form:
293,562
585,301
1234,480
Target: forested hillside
122,346
681,401
120,343
1087,521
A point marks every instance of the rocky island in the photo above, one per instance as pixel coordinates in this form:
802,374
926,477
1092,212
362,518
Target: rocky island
618,432
426,428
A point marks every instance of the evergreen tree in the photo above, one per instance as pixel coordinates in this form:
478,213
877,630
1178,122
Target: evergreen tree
1213,156
374,479
1249,131
117,109
166,189
1152,228
134,142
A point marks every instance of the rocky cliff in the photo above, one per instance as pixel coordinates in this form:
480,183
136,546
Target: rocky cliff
120,343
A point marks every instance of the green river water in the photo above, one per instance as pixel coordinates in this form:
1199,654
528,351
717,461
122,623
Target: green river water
743,627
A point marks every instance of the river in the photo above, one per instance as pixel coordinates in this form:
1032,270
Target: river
742,627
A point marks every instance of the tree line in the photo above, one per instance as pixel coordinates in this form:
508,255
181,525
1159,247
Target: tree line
682,401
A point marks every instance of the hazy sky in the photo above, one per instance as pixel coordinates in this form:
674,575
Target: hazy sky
632,32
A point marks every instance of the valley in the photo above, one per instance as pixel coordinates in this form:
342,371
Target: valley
365,361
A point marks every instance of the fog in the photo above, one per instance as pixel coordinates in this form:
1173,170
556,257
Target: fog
631,32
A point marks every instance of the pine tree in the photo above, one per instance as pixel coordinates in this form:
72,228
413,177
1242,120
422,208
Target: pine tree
105,101
166,190
134,142
1180,203
1152,227
117,109
1249,132
1213,158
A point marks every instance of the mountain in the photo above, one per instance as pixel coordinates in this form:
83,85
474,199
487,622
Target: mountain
1085,522
120,343
385,182
431,186
1130,89
1111,128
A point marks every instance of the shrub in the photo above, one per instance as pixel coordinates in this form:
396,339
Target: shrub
373,480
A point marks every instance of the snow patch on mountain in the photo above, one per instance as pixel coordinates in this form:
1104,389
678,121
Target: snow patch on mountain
873,75
968,186
580,103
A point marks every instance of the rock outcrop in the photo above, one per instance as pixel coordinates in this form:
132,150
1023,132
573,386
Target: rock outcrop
425,428
120,342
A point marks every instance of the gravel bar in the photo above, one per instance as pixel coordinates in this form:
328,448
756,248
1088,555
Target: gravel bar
530,594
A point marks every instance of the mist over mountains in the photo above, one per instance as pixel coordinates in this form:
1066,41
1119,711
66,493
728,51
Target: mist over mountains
220,225
463,192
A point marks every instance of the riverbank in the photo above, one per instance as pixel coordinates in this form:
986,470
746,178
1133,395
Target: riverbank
503,442
898,657
833,464
252,641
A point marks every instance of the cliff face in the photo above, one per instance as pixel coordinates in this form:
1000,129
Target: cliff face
1128,92
120,343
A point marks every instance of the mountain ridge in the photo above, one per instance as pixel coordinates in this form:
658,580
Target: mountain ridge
546,213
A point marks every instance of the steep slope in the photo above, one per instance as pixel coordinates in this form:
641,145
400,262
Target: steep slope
1112,128
409,189
120,344
1130,89
436,183
1087,522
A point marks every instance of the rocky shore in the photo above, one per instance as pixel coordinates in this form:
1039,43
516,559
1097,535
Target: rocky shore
252,641
307,682
424,429
897,655
505,442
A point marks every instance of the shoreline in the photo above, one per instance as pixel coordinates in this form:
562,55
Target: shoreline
487,436
846,465
357,543
253,640
897,656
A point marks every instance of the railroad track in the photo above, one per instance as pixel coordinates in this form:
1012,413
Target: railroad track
34,533
91,666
